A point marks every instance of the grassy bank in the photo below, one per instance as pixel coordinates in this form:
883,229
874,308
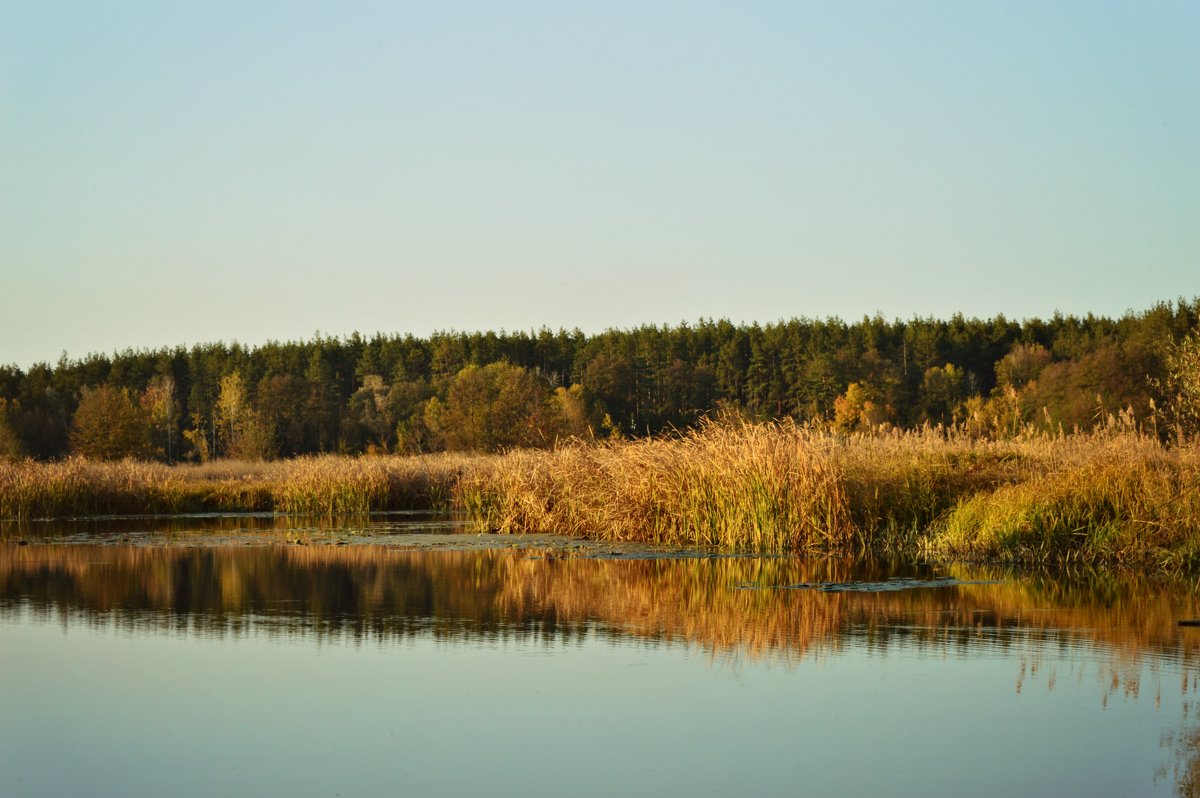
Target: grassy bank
750,487
766,487
1113,497
327,485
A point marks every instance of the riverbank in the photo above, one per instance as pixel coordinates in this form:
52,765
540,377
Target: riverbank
1113,497
1109,498
324,485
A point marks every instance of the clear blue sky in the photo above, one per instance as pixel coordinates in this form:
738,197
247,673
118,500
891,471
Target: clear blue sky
174,173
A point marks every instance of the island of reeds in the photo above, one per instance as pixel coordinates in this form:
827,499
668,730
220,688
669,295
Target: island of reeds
1069,439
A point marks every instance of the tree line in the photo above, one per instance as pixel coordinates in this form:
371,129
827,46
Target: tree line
490,391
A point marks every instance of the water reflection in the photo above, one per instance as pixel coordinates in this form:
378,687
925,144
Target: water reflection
722,604
1049,631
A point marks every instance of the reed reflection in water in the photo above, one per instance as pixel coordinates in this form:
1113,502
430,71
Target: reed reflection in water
746,605
1119,635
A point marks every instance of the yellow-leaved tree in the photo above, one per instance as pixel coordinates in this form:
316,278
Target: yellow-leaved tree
1182,385
244,431
859,409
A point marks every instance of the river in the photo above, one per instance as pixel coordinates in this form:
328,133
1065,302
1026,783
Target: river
395,655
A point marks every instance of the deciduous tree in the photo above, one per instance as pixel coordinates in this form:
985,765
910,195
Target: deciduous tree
1183,383
245,433
109,425
491,408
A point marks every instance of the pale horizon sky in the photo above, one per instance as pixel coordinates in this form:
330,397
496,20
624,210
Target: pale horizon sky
180,173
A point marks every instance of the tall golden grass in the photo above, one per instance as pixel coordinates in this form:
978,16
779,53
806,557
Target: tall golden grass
762,487
1113,496
328,485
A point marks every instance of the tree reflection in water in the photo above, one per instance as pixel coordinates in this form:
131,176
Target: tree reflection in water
730,607
744,605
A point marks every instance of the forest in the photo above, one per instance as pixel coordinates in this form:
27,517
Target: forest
495,391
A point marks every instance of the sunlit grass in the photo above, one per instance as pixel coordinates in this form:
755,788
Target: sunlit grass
1114,496
761,487
78,487
1100,498
327,485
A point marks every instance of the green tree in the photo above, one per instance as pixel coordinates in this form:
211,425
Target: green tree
11,447
322,409
610,383
281,400
369,424
942,391
1083,390
406,404
492,408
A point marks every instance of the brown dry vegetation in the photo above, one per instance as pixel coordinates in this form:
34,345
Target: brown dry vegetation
1113,496
761,487
325,484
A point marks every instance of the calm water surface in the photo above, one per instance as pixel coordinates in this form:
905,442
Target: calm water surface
210,656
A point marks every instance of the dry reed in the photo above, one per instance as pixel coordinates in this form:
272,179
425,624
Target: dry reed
328,485
768,487
1103,498
1114,496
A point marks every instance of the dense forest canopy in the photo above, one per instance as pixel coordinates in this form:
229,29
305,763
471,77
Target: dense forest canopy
490,391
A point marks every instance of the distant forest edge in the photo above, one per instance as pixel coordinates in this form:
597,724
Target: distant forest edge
495,391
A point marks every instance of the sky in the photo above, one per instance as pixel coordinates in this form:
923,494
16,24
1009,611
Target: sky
186,172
